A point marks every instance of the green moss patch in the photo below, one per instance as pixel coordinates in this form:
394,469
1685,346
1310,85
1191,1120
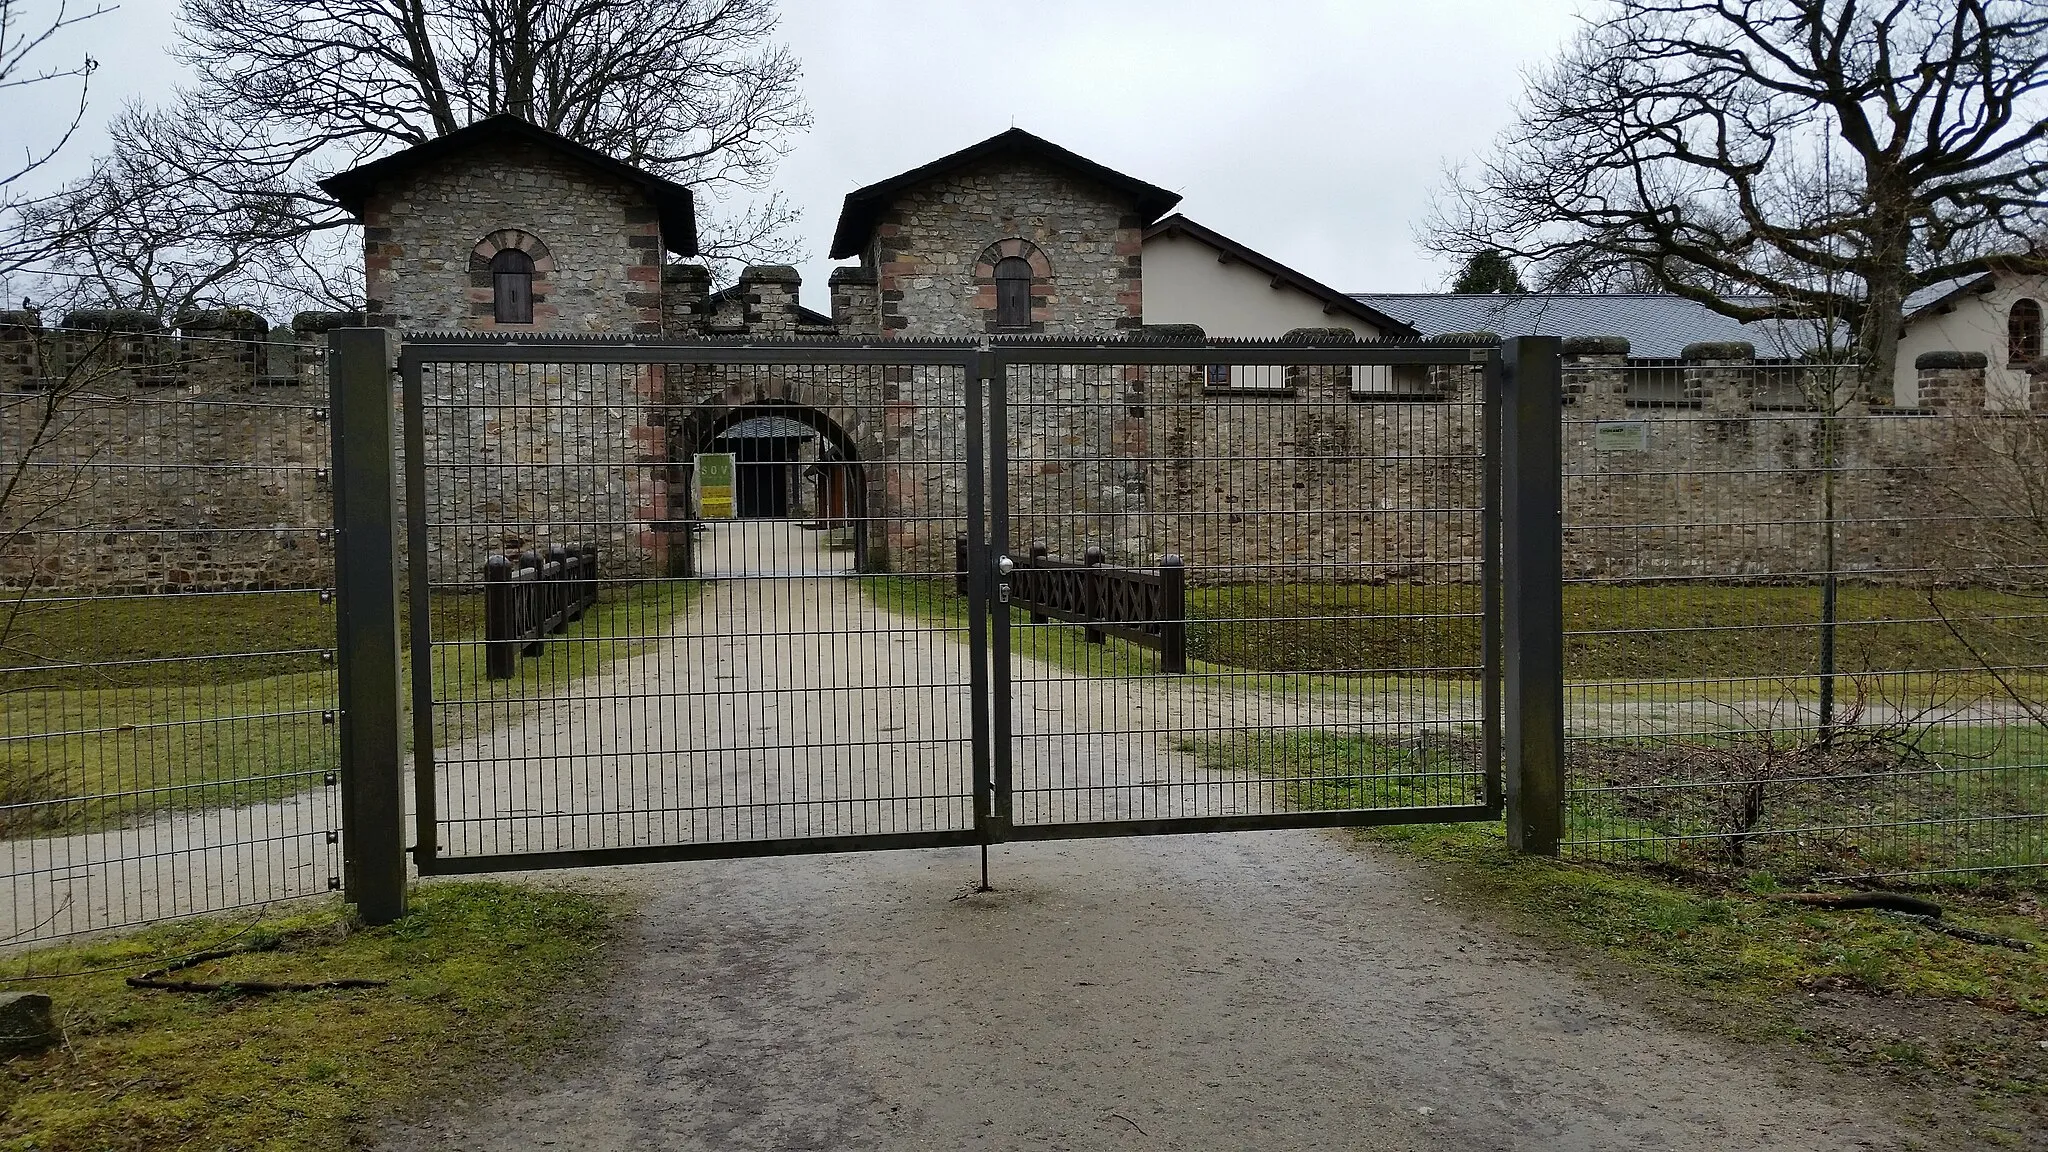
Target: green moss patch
480,975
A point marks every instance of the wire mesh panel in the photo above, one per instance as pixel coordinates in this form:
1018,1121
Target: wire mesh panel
673,607
1804,636
1250,587
167,736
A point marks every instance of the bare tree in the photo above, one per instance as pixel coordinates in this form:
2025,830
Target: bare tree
29,76
693,89
174,218
213,198
1822,158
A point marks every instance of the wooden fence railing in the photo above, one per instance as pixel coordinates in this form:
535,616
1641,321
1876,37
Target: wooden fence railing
526,601
1146,606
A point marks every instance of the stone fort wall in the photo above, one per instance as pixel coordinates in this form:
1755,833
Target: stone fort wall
199,460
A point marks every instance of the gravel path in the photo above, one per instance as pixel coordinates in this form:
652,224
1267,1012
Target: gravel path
1239,991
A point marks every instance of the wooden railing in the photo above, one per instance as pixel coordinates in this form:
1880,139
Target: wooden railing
527,600
1146,606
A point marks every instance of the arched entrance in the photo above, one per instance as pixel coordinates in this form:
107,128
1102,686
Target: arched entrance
800,491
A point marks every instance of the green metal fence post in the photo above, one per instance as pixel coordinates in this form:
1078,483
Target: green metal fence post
359,366
1533,596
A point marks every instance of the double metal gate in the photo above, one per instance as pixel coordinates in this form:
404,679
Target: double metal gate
995,592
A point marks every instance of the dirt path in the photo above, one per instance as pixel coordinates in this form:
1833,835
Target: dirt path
1247,991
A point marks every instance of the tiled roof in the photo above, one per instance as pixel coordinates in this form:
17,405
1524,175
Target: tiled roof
1656,327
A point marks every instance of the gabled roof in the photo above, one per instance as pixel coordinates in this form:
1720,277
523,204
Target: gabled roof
864,206
1935,295
1657,327
675,206
1283,276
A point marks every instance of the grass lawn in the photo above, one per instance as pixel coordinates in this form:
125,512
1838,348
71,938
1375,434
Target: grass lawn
481,976
1676,630
230,699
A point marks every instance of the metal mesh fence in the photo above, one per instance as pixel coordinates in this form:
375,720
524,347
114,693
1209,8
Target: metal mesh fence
1803,638
772,656
167,736
1325,528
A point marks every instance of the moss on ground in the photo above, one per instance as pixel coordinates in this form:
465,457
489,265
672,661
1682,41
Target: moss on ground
480,975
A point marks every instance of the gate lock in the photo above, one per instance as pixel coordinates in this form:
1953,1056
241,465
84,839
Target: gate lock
1004,566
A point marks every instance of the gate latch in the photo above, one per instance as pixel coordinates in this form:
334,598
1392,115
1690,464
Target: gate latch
1004,566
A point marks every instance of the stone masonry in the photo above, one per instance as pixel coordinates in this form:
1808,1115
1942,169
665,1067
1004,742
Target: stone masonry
930,255
595,241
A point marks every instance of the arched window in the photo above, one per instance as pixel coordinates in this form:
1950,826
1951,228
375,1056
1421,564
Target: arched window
512,287
1013,293
2023,332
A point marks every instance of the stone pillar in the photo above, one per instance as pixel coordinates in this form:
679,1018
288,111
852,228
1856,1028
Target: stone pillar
309,335
1720,376
222,348
855,305
1595,376
21,351
1320,383
1453,381
769,294
685,289
114,347
1951,381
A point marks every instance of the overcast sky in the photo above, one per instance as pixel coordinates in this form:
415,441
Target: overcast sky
1311,131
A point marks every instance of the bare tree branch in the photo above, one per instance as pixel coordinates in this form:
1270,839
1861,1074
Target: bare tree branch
1812,159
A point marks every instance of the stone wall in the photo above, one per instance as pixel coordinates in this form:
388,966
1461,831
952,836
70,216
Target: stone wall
928,244
595,240
197,459
158,464
856,305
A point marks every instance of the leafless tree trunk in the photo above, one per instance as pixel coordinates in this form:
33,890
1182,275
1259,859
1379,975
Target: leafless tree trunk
1812,160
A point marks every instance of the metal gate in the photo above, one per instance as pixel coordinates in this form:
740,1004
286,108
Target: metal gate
1023,591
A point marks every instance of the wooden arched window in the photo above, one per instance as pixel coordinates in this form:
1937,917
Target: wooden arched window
2023,332
1013,293
512,287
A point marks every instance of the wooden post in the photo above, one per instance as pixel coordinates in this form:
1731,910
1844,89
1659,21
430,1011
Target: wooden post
531,610
501,647
556,574
1038,554
1093,602
1173,615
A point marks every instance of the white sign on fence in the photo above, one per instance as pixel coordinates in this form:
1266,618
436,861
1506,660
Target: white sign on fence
1621,436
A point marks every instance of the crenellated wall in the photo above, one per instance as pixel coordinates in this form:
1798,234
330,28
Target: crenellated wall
196,458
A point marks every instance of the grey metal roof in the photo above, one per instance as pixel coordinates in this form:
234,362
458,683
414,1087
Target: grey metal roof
1940,291
1657,327
768,428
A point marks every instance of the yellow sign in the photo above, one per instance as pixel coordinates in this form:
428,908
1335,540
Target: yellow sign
714,472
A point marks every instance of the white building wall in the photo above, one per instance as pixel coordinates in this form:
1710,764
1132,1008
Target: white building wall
1188,282
1976,324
